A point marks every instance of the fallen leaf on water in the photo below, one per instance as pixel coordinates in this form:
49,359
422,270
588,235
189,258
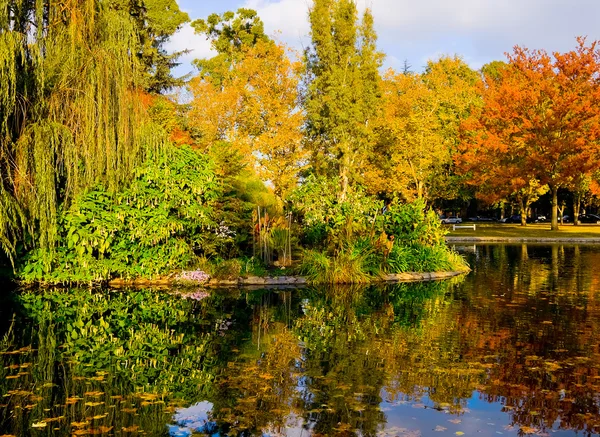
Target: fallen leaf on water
12,376
80,424
39,425
440,428
529,430
93,404
457,421
133,428
459,433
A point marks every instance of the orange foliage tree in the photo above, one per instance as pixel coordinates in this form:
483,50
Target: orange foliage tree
419,129
252,104
540,122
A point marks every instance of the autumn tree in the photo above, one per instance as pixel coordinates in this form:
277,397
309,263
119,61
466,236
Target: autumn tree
343,90
419,129
247,95
494,169
543,113
411,138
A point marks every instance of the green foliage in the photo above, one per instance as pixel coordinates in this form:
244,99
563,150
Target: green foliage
71,117
227,269
412,223
152,227
330,222
346,267
421,258
155,21
230,33
343,89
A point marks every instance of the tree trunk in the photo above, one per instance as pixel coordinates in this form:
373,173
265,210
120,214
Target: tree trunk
523,212
420,190
576,208
344,182
561,212
554,223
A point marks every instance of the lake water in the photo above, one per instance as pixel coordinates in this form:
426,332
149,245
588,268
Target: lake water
511,349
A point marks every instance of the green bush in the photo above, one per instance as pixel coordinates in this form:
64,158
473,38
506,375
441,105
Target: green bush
330,223
150,228
412,224
420,258
346,267
227,269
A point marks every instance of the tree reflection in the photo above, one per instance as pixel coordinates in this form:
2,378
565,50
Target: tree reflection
522,332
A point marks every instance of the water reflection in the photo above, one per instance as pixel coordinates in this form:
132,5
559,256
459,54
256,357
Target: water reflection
510,349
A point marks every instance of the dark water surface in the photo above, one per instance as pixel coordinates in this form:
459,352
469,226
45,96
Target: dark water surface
511,349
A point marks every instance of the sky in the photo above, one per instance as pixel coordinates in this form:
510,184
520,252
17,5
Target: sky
479,31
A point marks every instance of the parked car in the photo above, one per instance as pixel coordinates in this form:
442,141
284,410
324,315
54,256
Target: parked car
481,219
451,220
541,218
589,218
512,219
517,219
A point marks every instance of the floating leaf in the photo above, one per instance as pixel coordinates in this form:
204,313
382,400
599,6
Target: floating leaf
457,421
79,424
39,425
93,404
440,428
459,433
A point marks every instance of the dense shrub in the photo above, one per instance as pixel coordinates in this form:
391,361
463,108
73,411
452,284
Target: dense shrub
149,228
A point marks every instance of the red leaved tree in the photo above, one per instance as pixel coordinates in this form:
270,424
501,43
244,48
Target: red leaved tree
540,122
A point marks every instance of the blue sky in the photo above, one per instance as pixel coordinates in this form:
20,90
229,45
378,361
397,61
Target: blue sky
418,30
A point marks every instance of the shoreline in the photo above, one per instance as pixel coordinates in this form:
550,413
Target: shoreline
555,240
282,281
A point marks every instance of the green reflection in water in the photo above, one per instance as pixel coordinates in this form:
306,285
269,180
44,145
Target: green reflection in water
520,334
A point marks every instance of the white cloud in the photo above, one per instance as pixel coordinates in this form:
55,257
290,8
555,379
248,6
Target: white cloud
477,30
186,39
287,20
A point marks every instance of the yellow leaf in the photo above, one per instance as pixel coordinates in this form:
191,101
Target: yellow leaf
93,404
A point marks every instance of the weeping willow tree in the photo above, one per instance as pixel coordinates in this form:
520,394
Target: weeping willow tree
70,112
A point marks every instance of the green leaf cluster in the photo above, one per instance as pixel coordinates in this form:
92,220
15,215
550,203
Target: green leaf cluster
150,228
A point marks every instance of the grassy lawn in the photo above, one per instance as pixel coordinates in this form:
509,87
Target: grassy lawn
537,230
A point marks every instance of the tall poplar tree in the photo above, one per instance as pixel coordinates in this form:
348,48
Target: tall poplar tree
343,90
